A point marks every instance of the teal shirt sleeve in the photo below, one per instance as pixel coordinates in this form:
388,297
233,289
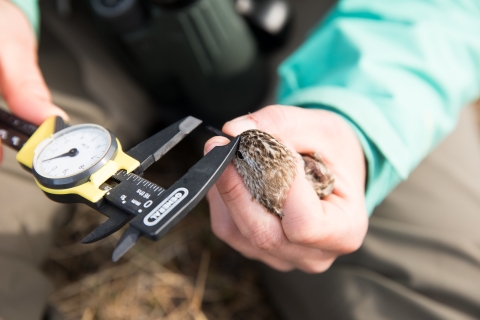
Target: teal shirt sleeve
30,8
398,71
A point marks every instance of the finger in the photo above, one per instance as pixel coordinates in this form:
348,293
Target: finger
21,82
329,224
300,127
291,125
225,229
23,87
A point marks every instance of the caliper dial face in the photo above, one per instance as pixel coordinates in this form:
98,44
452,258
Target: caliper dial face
70,156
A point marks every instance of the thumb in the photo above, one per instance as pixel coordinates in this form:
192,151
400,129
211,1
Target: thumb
229,184
21,82
23,87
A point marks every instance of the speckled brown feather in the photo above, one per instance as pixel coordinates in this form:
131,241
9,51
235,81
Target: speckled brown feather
318,174
268,169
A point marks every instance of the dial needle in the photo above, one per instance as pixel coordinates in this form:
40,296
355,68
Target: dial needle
72,153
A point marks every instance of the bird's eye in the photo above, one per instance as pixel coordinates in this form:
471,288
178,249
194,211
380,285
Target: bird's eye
239,155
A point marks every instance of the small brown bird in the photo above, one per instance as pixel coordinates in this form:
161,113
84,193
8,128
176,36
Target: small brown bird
268,169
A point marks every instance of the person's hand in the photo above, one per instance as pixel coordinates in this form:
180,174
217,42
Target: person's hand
21,82
312,232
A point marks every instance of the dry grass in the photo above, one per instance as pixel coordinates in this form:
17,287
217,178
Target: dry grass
188,274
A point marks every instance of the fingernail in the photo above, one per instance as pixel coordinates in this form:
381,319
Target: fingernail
65,116
214,142
59,112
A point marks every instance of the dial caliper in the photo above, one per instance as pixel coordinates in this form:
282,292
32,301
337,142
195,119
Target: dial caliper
85,163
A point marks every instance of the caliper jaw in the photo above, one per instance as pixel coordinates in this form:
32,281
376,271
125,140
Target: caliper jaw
174,203
116,220
127,198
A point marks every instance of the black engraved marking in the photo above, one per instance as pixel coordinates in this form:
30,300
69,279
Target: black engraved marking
132,192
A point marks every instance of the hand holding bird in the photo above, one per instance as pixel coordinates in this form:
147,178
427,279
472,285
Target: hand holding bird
313,231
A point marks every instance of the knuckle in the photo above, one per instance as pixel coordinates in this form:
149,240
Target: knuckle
353,237
350,246
311,236
234,192
304,237
266,240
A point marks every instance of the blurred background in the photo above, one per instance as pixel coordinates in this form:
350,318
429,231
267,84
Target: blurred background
189,274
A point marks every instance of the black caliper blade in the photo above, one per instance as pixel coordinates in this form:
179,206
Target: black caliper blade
153,148
12,138
20,125
173,204
129,196
127,241
14,131
116,220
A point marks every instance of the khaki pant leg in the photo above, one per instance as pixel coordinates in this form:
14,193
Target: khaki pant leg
27,220
88,84
421,256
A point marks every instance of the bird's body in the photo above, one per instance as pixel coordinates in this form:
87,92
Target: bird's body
268,169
